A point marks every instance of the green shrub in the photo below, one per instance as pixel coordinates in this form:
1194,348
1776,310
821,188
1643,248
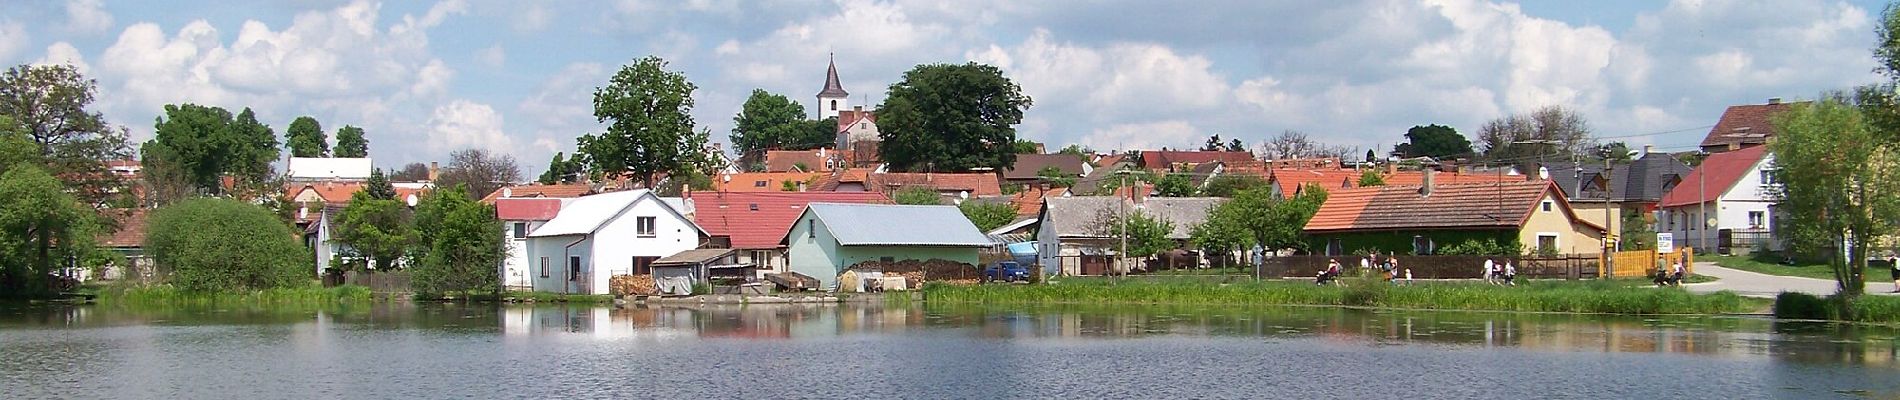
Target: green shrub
1790,305
461,245
1878,309
215,244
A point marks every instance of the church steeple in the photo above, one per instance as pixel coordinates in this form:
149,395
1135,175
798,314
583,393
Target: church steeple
833,98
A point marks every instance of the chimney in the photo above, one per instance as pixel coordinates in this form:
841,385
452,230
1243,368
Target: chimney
1425,189
1391,168
858,109
1649,149
1774,100
433,171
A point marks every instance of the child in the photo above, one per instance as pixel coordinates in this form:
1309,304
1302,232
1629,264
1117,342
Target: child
1408,276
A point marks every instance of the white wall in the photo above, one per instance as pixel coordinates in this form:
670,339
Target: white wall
557,251
1730,208
824,106
618,241
517,271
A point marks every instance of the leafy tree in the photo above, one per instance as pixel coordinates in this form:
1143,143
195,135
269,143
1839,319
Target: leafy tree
1076,150
306,138
216,244
1369,178
378,186
1435,141
1025,147
917,196
201,144
951,118
1236,145
771,121
49,106
460,247
677,184
41,226
1174,185
988,215
1223,232
1228,185
563,171
1616,152
1839,183
1146,234
378,228
481,171
1213,143
1554,132
411,172
350,143
1269,221
1636,233
1055,177
648,112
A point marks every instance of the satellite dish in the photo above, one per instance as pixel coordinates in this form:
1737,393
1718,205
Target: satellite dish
507,192
411,199
963,194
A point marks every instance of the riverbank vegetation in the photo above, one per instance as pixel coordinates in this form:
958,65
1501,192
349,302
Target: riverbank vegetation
1876,309
225,245
307,295
1606,297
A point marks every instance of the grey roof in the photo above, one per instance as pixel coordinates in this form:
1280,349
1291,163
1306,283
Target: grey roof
1028,165
1645,179
897,225
832,87
1101,174
1082,216
694,256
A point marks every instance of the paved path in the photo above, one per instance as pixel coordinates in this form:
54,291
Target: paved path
1763,285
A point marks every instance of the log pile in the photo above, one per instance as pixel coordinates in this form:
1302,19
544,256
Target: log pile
917,272
638,285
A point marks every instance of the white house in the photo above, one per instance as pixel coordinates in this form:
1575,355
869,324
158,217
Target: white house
520,215
1725,204
599,236
321,238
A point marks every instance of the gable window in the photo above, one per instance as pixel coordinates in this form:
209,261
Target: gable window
521,230
1756,219
646,226
811,229
1547,205
1767,177
544,267
573,268
862,125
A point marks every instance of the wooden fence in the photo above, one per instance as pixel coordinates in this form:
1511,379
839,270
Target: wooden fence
1576,266
1642,263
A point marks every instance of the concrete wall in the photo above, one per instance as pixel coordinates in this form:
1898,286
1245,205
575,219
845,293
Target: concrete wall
814,252
557,250
1573,237
618,241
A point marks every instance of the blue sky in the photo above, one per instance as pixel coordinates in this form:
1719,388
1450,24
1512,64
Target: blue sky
428,77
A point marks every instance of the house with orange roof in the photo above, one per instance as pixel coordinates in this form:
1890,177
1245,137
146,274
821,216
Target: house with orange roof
1726,203
561,191
1421,220
768,182
751,223
1744,126
814,160
955,186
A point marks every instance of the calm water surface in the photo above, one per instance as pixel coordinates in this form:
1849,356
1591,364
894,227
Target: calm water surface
434,351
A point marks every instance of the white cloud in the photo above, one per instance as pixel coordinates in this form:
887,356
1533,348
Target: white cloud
493,56
65,53
13,38
1145,135
87,16
533,18
464,124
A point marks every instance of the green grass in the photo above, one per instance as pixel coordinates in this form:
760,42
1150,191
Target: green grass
543,297
1766,263
1607,297
167,295
1866,308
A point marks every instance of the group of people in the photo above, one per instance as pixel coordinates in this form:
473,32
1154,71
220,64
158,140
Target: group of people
1388,269
1496,273
1669,274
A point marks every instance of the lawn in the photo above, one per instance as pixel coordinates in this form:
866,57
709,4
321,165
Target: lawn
1770,264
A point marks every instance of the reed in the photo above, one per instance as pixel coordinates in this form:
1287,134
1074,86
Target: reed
1609,297
167,295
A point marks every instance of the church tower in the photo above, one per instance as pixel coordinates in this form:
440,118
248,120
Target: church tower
833,98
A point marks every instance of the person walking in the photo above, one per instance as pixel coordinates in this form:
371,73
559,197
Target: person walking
1510,273
1893,262
1486,272
1408,276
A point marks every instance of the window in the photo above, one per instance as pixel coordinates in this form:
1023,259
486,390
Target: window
1672,220
1422,245
863,125
1767,177
1756,219
544,267
811,229
834,105
752,206
646,226
1335,247
573,268
758,184
1546,244
643,265
1547,206
521,230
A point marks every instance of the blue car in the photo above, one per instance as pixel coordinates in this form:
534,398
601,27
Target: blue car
1006,271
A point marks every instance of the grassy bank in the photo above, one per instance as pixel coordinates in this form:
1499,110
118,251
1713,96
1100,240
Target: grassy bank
1765,263
542,297
1608,297
166,295
1866,308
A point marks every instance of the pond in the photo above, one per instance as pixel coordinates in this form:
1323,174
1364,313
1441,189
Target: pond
876,351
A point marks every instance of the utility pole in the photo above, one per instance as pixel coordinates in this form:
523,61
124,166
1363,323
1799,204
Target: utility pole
1121,257
1609,259
1702,207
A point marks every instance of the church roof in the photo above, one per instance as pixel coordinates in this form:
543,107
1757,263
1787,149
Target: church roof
832,87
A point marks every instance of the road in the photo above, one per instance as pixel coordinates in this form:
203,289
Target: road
1763,285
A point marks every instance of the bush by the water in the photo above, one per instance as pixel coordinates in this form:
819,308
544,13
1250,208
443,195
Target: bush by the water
1580,297
214,244
1883,309
459,246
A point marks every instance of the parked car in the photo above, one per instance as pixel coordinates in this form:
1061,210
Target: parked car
1006,271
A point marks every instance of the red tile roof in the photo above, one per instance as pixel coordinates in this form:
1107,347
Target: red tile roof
1165,159
340,192
758,220
1029,202
1722,170
978,184
765,181
1291,180
566,191
792,160
1461,206
1415,178
848,117
131,233
1746,125
527,208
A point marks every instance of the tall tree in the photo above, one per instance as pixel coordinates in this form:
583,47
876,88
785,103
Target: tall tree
411,172
1174,185
350,143
1236,145
770,121
482,172
306,138
1435,141
459,246
200,145
49,105
1290,144
41,226
988,215
1228,185
1213,143
1021,146
562,171
947,117
648,112
1146,235
380,229
1549,133
378,186
1838,184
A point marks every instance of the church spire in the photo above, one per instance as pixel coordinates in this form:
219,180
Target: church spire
832,88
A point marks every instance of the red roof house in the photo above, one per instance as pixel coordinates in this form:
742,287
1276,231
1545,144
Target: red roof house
1745,125
754,222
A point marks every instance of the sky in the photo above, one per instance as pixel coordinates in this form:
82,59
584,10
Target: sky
425,78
